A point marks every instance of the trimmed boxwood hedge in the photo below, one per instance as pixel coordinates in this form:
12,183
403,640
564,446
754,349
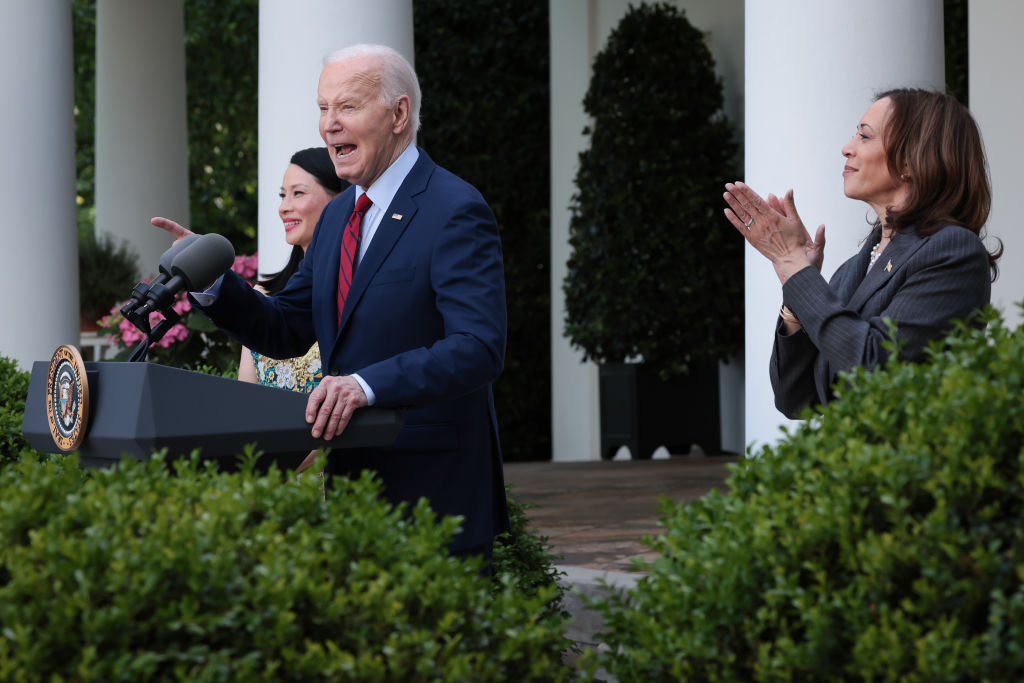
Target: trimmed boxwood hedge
882,540
13,390
174,571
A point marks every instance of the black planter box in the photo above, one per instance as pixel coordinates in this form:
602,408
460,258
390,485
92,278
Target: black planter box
641,411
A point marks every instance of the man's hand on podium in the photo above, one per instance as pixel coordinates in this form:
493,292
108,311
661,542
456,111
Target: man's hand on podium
332,403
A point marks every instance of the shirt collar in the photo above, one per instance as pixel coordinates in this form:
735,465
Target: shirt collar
386,186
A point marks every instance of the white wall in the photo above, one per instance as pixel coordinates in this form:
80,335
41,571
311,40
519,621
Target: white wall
997,102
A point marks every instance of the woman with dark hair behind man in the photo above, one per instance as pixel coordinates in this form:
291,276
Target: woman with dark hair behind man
917,160
309,184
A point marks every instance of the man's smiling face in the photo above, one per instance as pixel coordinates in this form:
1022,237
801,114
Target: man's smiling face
363,134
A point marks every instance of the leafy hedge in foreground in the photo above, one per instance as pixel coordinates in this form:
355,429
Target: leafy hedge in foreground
883,540
144,573
13,390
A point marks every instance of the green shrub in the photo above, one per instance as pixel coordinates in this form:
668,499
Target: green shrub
107,271
527,557
13,390
144,573
882,540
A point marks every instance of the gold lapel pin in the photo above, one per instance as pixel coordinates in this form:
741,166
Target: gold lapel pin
888,267
396,216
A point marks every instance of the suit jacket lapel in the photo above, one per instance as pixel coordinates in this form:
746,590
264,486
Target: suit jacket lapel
898,251
393,224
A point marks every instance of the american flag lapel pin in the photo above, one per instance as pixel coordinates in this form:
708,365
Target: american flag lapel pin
396,216
888,267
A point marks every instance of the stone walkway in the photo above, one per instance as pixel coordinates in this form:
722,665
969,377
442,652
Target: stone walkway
596,513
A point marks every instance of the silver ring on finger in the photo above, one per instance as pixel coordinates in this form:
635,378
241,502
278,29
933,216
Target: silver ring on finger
750,222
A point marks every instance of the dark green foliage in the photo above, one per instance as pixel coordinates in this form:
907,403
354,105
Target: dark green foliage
107,271
13,390
881,541
142,573
483,68
955,33
83,27
527,558
222,67
655,272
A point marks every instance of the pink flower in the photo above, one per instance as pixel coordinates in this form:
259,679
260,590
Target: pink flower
246,266
130,335
175,334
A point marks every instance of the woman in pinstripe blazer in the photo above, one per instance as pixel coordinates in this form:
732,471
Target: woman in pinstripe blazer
917,160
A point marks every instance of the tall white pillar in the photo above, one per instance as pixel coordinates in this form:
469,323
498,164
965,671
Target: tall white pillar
39,260
994,52
295,36
575,419
141,122
811,71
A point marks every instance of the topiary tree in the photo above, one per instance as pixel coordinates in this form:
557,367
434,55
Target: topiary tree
654,273
880,541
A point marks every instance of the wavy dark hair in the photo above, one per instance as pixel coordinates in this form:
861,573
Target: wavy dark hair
933,144
317,162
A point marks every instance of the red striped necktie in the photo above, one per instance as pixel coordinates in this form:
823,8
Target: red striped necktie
349,248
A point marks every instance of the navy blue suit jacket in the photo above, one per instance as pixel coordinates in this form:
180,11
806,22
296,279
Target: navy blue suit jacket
424,325
921,283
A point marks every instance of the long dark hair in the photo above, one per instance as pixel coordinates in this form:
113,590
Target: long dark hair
933,144
317,162
275,282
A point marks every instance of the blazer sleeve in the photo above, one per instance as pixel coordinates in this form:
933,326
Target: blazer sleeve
944,280
791,370
278,327
468,283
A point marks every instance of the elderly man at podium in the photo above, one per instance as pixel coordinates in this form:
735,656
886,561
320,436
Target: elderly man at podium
403,288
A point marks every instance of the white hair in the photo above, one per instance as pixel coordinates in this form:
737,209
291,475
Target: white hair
397,77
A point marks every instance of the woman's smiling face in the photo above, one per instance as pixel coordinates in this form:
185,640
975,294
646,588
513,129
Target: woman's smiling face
866,174
302,201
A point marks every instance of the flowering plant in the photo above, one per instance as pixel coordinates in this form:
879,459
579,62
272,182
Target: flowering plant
193,342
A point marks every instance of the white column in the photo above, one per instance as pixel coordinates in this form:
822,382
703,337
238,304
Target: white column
39,260
141,123
295,36
575,419
811,71
994,54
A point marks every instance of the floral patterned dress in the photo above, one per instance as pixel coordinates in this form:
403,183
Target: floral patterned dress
297,374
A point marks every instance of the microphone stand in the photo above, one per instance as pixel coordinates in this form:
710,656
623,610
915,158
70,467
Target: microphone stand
150,336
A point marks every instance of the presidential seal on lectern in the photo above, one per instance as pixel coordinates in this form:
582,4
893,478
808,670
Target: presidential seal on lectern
67,398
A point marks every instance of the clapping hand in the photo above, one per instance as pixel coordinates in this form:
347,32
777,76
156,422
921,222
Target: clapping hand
774,228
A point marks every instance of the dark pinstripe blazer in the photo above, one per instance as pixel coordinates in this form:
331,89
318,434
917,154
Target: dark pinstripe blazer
920,283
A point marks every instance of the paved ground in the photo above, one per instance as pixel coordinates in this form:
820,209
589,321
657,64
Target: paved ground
596,513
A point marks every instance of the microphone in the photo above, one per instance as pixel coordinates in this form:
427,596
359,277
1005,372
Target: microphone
193,269
166,260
